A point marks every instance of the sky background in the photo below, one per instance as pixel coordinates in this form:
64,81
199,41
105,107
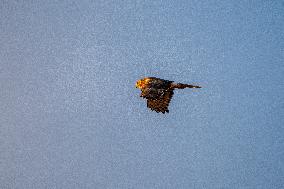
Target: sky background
71,116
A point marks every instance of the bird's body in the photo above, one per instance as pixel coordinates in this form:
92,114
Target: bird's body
159,92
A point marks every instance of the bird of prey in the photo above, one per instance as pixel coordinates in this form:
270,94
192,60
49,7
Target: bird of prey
158,92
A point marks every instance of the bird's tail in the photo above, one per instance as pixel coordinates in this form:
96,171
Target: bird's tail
182,86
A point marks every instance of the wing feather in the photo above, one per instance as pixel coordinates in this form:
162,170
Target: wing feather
161,103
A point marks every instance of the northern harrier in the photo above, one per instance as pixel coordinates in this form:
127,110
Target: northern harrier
159,92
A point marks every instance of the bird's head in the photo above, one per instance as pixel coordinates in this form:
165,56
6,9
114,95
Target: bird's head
139,84
142,83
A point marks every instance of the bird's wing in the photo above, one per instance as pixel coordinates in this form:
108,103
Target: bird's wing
161,103
159,83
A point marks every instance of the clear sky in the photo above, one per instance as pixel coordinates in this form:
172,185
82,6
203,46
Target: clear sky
71,116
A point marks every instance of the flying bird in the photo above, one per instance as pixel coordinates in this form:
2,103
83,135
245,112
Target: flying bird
158,92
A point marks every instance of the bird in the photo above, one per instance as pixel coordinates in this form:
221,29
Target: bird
158,92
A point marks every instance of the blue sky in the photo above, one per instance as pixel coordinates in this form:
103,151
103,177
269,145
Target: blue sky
71,116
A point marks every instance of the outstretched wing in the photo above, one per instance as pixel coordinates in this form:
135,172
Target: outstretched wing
161,103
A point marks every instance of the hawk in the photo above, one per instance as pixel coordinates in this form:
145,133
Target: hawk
158,92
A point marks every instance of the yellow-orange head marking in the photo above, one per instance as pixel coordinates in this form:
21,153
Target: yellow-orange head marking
140,84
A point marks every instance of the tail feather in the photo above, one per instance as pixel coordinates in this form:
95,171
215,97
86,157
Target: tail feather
182,86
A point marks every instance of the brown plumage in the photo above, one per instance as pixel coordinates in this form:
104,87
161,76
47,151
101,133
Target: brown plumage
159,92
